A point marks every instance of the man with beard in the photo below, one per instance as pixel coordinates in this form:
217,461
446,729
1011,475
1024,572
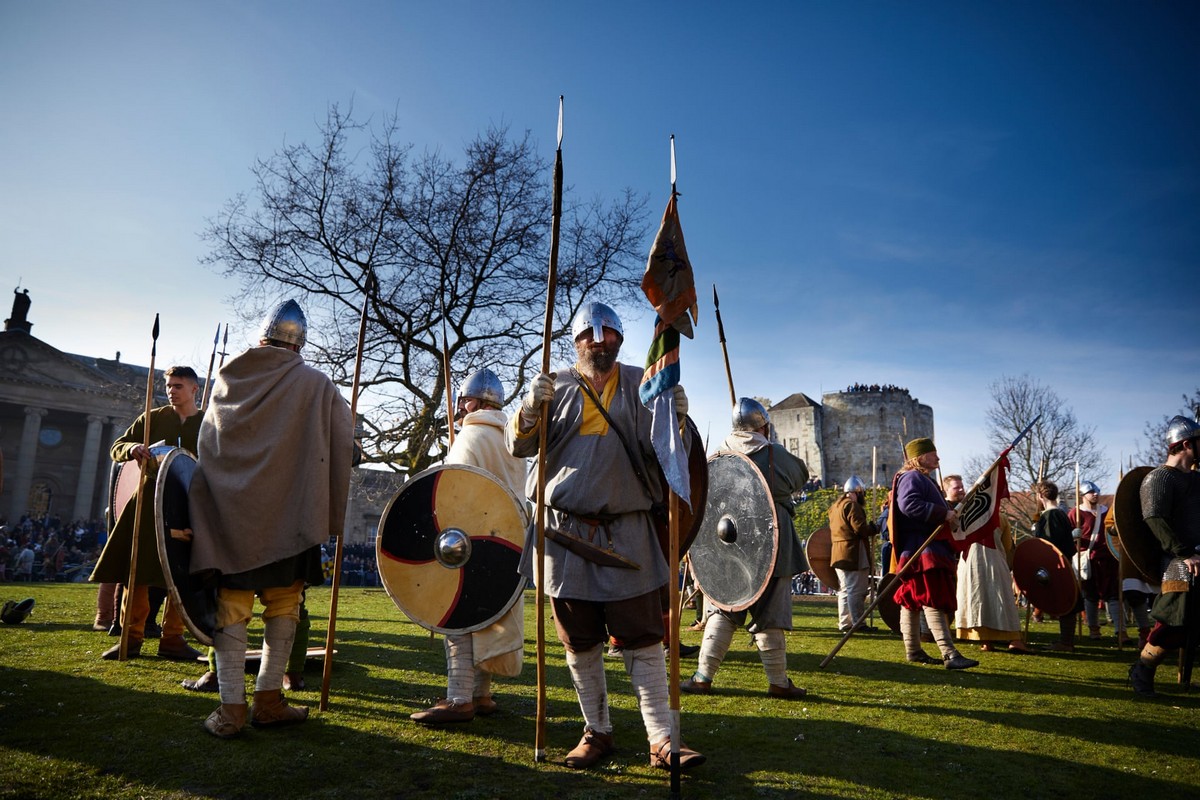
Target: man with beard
271,483
603,566
771,614
472,658
1170,497
928,586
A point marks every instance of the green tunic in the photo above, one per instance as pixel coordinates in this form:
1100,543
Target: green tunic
113,566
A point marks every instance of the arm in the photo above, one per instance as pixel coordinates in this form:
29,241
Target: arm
915,500
130,445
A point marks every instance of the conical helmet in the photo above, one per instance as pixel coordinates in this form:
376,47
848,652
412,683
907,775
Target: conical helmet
484,386
285,323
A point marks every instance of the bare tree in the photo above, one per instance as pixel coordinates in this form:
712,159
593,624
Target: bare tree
459,250
1154,449
1057,439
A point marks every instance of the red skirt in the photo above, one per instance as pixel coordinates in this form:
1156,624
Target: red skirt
932,582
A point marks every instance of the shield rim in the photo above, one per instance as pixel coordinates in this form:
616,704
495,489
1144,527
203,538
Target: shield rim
519,590
735,607
160,540
1063,567
822,568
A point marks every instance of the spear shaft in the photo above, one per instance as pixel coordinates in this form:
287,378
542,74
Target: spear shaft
141,505
208,378
327,669
724,350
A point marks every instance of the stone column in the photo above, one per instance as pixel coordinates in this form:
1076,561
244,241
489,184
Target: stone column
26,460
85,490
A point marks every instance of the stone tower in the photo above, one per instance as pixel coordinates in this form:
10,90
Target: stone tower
850,432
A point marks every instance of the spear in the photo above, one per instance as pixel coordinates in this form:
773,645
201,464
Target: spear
539,743
224,343
937,532
724,351
141,505
327,670
673,570
446,370
208,377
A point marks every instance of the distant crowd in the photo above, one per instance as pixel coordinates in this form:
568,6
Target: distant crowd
876,387
46,549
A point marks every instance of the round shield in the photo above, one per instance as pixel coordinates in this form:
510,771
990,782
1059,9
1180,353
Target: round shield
197,604
124,481
689,518
1045,576
819,549
733,555
889,609
448,548
1141,549
1113,541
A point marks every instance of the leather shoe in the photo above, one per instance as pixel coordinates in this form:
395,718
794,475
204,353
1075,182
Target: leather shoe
592,748
922,658
485,706
176,649
152,630
959,661
293,682
698,625
205,683
685,650
115,628
660,756
1019,647
100,625
1062,647
134,650
444,712
789,692
694,685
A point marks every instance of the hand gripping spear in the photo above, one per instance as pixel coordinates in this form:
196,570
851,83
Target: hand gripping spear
327,669
913,558
539,743
140,506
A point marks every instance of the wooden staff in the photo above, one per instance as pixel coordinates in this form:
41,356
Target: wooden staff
208,378
539,740
139,507
673,571
327,669
721,336
446,371
1078,542
916,553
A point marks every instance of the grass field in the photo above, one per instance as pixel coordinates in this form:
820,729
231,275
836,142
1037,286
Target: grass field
873,726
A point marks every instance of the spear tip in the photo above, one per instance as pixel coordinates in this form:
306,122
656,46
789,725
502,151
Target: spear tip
154,333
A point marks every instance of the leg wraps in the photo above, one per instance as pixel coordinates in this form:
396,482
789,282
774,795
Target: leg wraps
483,683
772,649
647,668
1091,613
278,635
910,630
460,668
1117,615
587,673
940,628
230,645
718,634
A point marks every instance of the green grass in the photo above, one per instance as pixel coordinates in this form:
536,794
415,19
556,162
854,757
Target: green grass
873,726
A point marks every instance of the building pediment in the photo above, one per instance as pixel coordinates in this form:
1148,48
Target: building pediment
30,369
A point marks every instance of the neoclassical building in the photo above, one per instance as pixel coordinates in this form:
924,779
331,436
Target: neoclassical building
60,413
855,432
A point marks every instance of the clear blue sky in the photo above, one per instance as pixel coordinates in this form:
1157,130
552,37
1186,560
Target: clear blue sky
925,194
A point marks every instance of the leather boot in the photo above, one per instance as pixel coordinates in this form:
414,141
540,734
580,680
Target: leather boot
227,721
660,756
593,747
1141,678
176,648
272,711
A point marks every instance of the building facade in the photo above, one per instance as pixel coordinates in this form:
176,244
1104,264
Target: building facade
859,431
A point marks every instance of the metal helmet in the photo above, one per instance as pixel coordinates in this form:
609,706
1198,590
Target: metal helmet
285,323
854,484
484,386
749,415
1087,487
1180,429
596,316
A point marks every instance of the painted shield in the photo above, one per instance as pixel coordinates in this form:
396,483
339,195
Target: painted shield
1141,549
889,609
123,481
197,604
1045,576
690,518
734,553
819,550
448,548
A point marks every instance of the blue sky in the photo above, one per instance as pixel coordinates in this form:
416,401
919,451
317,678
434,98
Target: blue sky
931,195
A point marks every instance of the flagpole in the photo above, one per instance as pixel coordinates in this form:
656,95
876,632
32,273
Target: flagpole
141,505
937,531
327,667
539,741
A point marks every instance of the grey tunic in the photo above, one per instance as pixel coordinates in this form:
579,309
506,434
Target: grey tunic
589,475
